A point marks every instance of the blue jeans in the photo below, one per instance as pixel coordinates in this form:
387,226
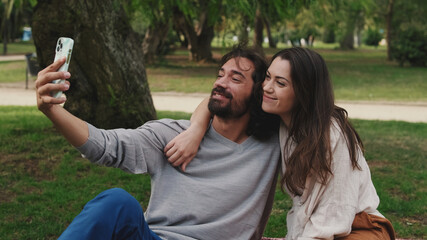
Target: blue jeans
113,214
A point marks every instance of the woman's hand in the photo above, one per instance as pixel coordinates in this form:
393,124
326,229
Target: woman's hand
183,148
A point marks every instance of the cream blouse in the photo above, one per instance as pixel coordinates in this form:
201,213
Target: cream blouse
328,211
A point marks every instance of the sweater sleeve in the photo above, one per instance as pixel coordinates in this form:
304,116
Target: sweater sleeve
334,213
132,150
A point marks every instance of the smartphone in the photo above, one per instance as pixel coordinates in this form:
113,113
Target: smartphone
64,48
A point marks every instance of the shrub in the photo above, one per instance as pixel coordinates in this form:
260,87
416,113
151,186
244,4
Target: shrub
409,45
373,37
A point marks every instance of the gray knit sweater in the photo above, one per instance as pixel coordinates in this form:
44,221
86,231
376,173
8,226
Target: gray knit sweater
225,193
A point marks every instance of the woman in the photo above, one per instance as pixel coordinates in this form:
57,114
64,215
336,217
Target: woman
323,167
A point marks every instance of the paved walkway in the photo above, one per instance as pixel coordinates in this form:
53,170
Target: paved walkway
12,58
16,94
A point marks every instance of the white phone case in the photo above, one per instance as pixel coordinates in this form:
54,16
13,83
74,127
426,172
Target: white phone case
64,48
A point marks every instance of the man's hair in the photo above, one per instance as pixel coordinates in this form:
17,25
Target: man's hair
261,124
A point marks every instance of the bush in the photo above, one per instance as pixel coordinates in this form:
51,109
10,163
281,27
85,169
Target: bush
409,45
373,37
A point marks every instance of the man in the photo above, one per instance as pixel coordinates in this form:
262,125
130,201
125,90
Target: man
226,192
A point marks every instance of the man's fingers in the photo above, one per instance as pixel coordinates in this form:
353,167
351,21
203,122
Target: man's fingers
54,66
52,100
50,87
48,77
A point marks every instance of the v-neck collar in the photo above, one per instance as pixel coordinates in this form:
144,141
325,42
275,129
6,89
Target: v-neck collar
227,142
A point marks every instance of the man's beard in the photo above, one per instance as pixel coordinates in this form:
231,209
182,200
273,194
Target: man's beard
230,110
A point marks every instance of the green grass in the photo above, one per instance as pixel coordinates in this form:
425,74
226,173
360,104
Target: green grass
19,48
44,182
366,75
181,78
362,74
13,71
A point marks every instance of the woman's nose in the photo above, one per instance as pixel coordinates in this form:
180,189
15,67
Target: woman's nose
266,86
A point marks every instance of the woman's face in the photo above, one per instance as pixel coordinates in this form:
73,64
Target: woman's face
279,96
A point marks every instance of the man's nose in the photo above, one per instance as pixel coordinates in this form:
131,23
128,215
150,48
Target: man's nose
222,82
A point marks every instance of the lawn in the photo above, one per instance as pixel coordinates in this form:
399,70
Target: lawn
17,48
357,75
362,74
13,71
44,182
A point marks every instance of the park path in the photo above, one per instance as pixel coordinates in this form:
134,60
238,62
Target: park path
16,94
170,101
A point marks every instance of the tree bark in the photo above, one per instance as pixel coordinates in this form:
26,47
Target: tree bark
271,41
244,36
5,36
199,38
347,42
389,18
154,39
108,85
258,28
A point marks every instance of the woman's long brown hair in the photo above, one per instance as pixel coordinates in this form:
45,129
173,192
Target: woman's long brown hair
312,116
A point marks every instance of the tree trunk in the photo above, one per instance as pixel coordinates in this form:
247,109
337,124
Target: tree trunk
154,39
271,41
109,85
204,50
347,42
199,38
6,23
389,18
258,28
244,36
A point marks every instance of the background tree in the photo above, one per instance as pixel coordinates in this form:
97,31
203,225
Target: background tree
109,84
196,20
7,6
389,17
155,18
383,15
270,12
353,13
14,15
192,19
266,13
307,25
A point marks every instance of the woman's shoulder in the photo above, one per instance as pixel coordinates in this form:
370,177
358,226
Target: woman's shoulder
337,136
283,134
